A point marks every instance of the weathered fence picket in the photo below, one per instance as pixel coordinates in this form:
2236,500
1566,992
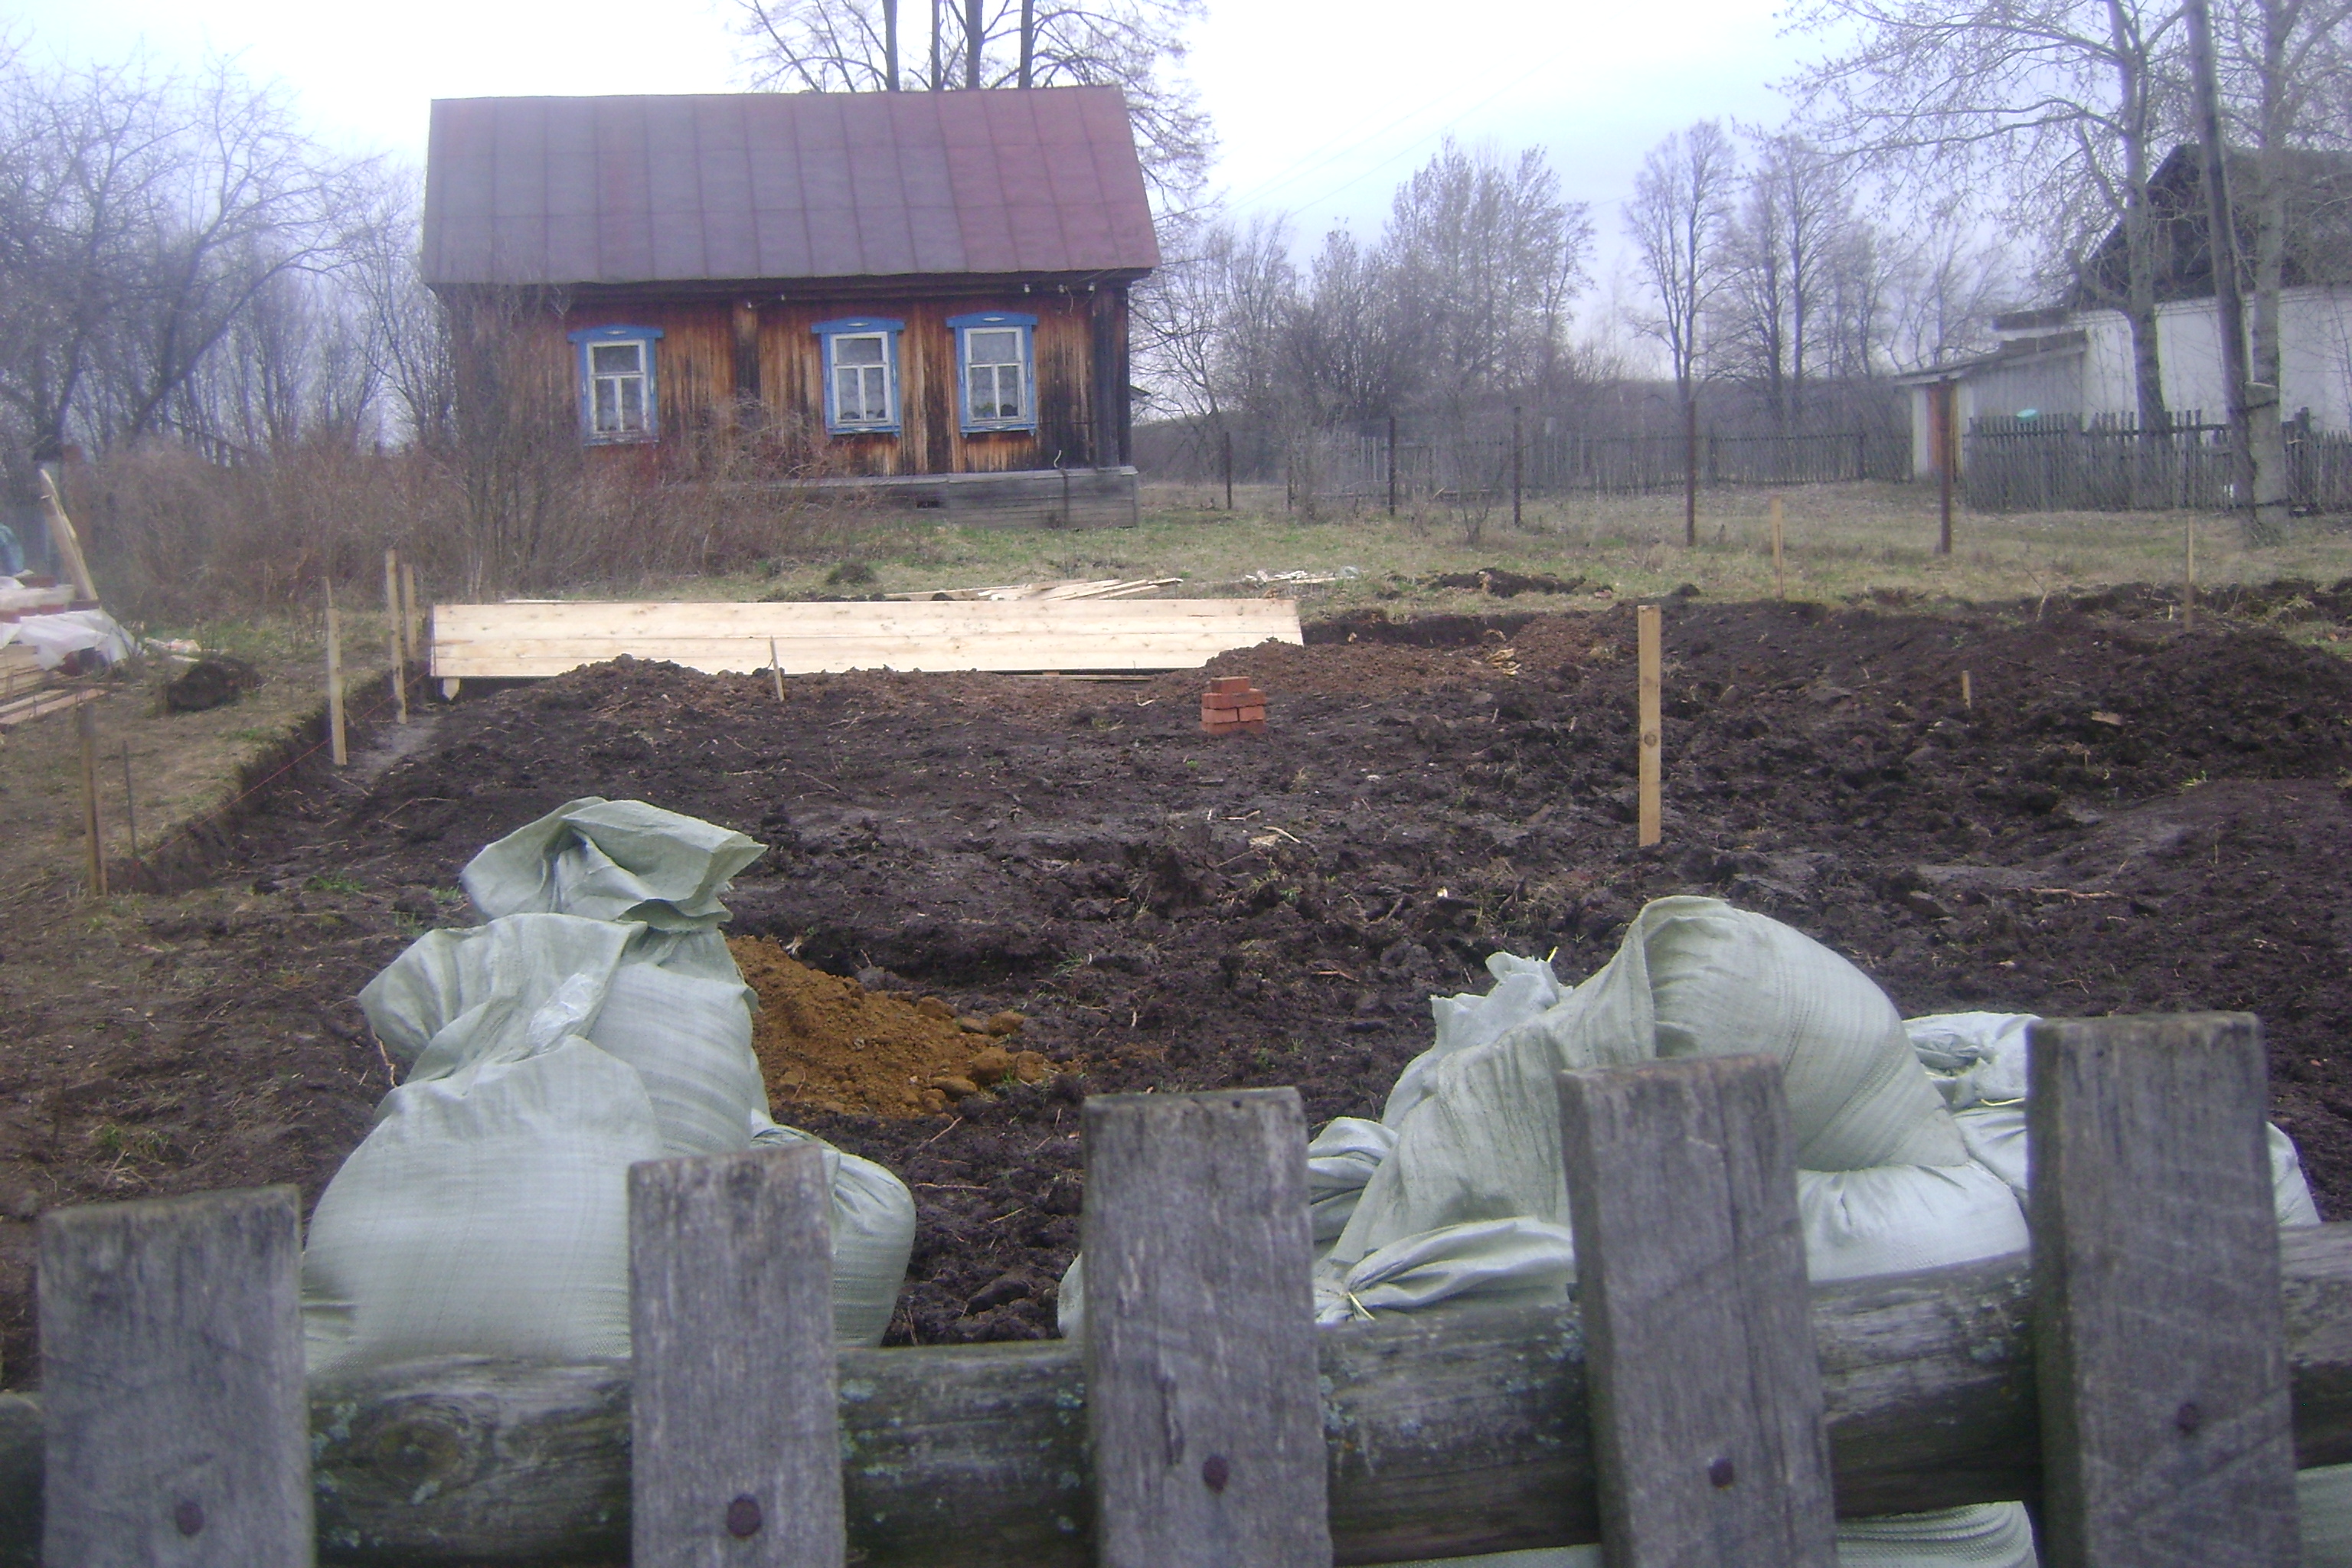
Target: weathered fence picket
1201,1402
735,1454
1707,1389
2160,1336
2189,1355
172,1383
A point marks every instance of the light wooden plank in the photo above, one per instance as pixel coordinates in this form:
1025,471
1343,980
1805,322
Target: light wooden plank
1202,1401
177,1427
1707,1391
511,640
2160,1334
735,1457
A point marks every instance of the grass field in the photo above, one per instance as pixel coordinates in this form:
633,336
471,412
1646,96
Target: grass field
1838,541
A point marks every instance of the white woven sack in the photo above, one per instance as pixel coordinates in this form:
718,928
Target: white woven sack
1693,977
1986,1535
1977,1060
1898,1218
487,1214
2324,1505
611,860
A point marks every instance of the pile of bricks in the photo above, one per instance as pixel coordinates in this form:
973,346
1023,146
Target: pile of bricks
1232,703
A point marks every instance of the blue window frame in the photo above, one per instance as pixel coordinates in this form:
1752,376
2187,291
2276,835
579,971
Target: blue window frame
619,394
996,376
861,373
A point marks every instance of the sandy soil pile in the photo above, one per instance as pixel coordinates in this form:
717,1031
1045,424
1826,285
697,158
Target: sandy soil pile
828,1042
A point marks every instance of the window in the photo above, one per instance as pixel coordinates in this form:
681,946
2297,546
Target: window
993,350
861,373
618,401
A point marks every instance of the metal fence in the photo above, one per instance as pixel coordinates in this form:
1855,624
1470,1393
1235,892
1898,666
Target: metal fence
2064,463
1565,463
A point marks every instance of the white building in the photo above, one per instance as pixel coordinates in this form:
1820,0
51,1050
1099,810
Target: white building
2074,361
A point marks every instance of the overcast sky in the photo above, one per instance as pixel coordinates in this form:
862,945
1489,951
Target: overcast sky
1320,108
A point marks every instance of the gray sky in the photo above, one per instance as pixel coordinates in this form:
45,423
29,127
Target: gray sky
1320,108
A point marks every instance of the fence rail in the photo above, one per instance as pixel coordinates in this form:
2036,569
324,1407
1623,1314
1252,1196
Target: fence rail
1475,1429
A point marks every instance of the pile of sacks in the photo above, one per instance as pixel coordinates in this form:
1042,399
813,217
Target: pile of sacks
595,1019
1910,1147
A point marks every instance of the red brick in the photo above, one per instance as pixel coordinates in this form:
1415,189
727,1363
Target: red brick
1252,715
1230,683
1220,701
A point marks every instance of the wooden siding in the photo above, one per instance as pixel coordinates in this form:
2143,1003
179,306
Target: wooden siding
698,371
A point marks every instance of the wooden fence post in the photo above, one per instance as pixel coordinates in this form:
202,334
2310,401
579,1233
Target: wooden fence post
93,826
2161,1339
176,1428
735,1453
1201,1386
1707,1389
1649,683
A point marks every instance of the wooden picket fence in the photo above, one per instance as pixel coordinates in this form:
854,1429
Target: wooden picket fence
2151,1383
2062,463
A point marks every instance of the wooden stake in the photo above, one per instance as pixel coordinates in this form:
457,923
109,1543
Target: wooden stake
411,621
1653,810
776,670
85,726
1948,443
335,683
2188,583
1968,692
1779,581
398,635
130,801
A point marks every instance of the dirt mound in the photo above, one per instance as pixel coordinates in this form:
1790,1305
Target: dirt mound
2132,816
830,1044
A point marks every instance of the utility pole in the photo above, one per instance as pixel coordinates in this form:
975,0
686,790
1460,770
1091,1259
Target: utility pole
2221,247
939,77
891,44
1028,43
972,9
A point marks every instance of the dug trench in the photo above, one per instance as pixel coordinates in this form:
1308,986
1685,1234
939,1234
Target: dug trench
2131,816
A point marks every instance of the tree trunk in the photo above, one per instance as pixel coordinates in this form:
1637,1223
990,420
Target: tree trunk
890,45
2265,435
2139,232
972,37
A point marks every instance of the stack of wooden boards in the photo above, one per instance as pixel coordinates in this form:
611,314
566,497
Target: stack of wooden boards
1034,635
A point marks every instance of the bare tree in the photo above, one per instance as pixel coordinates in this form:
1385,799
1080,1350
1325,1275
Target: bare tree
1486,257
1679,219
2287,66
1793,225
1136,46
142,219
1945,280
2069,102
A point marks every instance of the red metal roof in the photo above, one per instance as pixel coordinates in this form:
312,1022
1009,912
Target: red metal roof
771,186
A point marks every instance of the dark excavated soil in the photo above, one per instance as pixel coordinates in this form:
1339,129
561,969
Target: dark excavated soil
2132,817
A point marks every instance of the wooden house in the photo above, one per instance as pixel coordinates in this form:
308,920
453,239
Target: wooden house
933,286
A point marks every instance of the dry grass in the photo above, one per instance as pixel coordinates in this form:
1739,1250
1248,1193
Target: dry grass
1840,542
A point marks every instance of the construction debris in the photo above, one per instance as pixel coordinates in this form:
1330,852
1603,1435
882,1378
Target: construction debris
1102,588
1232,703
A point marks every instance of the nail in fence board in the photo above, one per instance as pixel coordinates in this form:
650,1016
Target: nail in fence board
1707,1389
735,1455
176,1424
2160,1335
1202,1393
